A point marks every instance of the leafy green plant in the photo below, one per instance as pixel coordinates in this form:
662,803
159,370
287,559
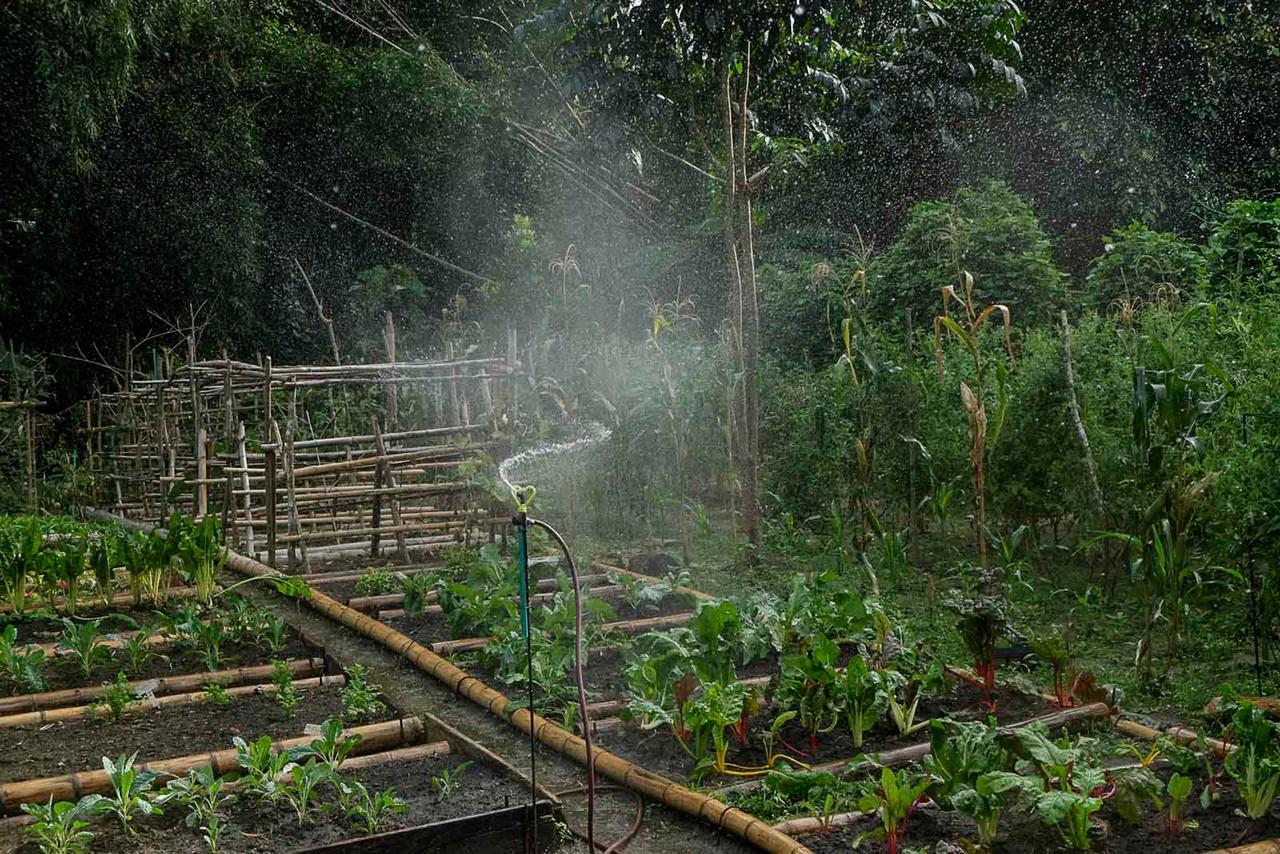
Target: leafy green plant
130,790
1067,790
62,827
84,646
66,569
306,778
272,633
1179,790
377,582
709,717
1053,651
360,697
971,773
201,793
332,747
209,637
865,698
20,547
200,549
117,698
138,652
218,694
22,666
367,810
1255,763
811,687
286,694
263,768
981,623
449,781
418,590
896,798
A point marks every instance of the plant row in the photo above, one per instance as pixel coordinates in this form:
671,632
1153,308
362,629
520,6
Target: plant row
76,564
307,778
982,772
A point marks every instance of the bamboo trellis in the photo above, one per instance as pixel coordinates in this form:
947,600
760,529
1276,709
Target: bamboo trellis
238,439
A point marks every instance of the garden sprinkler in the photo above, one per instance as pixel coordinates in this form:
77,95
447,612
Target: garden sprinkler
523,497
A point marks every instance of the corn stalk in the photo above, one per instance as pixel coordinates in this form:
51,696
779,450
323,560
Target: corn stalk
966,328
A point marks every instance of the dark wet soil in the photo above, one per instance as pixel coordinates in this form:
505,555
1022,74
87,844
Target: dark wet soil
61,748
251,827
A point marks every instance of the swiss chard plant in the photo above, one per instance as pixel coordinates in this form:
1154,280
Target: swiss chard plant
1066,790
1175,812
895,799
972,773
719,709
981,622
866,697
811,686
1255,762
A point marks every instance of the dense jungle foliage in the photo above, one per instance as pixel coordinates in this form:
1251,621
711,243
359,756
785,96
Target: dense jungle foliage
1104,178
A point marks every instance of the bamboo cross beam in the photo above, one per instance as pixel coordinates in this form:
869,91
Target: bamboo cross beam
390,458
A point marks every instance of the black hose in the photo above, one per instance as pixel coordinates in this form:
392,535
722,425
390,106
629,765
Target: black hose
581,683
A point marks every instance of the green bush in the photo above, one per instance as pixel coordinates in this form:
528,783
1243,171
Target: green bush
987,230
1244,247
1139,264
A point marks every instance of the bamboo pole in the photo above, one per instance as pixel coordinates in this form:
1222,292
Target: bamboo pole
67,787
1266,846
70,714
165,685
249,545
813,824
1176,733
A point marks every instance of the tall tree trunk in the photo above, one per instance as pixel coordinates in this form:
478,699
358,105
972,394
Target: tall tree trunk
740,263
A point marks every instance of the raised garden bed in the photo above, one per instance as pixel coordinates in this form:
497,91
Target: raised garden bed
254,826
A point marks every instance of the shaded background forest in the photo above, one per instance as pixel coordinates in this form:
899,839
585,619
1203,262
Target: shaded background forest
154,153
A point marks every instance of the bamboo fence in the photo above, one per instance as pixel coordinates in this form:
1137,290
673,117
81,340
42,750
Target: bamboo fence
308,463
